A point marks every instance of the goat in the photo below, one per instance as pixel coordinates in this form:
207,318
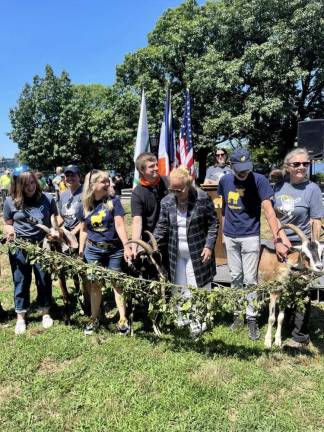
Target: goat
59,239
306,256
149,265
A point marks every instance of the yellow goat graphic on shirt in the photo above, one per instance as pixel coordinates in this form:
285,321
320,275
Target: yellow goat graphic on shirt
233,197
96,220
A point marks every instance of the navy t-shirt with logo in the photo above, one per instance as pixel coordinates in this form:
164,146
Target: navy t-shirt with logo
34,212
71,208
100,221
242,201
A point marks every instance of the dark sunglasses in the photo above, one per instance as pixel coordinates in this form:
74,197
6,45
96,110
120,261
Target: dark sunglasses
220,154
298,164
176,190
93,171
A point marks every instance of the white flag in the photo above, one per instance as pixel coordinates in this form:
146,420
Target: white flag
142,139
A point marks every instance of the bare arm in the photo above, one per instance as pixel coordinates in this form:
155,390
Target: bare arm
316,228
83,238
137,224
270,215
122,234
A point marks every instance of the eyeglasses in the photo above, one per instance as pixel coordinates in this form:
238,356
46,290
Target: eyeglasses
176,190
220,154
298,164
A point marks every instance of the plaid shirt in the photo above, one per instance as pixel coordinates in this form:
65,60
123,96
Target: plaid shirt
202,227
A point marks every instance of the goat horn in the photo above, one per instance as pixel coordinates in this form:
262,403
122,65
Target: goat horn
54,222
296,230
72,240
44,228
143,244
153,240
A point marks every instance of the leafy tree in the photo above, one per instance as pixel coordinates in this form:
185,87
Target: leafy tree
36,120
254,67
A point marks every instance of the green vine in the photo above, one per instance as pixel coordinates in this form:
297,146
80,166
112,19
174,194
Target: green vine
163,298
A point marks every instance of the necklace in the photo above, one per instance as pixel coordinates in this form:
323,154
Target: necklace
182,206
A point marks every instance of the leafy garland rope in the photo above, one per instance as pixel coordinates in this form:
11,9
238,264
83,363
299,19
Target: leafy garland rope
164,299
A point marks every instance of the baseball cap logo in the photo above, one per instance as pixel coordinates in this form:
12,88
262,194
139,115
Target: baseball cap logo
242,158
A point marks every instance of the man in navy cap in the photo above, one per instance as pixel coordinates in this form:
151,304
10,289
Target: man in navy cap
244,193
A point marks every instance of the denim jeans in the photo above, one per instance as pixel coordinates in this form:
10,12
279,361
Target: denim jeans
22,276
109,258
243,259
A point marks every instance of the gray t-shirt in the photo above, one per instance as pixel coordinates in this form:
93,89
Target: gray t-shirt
25,220
297,204
71,208
216,172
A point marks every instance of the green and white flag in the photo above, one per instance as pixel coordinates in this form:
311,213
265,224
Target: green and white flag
142,139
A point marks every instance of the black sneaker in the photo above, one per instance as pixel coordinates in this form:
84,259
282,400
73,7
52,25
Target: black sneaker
237,323
91,328
254,332
123,327
292,344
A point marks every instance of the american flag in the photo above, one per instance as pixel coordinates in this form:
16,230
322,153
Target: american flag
185,149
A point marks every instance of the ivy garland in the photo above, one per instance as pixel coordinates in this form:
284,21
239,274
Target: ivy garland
164,299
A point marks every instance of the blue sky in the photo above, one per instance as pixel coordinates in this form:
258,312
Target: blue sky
86,38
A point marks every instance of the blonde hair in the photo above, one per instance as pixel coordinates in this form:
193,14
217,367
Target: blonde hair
182,173
88,189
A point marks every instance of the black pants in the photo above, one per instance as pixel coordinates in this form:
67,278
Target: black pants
300,331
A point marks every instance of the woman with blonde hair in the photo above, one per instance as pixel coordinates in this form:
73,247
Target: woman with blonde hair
103,240
187,226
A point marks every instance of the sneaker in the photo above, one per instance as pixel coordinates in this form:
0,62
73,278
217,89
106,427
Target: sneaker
254,332
291,343
123,327
91,328
20,327
237,323
47,321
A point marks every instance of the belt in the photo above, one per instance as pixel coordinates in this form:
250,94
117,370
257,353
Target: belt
102,245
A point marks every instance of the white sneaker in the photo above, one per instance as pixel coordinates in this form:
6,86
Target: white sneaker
20,327
47,321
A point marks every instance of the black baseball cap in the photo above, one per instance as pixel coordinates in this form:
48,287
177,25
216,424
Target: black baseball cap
241,160
72,168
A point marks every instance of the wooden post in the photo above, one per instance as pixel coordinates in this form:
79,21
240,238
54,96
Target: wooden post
220,251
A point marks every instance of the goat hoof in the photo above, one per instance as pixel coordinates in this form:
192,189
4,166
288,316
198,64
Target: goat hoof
278,343
267,343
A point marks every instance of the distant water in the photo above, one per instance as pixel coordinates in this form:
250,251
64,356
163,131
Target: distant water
318,167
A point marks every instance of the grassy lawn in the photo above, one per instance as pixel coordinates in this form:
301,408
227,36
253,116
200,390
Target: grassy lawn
59,380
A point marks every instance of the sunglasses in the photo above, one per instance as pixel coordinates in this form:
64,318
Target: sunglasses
69,203
298,164
176,190
220,154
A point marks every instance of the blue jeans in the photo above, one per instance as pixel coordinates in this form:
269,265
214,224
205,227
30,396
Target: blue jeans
22,276
109,258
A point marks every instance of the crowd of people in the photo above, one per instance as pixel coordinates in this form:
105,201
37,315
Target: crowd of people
182,218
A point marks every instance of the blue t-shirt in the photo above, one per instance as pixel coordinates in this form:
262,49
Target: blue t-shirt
100,221
297,204
35,212
242,203
71,208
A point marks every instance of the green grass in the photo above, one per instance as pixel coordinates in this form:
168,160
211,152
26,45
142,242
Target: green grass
59,380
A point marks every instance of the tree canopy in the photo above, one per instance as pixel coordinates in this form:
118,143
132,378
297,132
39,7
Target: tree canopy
254,68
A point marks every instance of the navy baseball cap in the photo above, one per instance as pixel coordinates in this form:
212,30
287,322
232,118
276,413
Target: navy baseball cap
72,168
241,160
